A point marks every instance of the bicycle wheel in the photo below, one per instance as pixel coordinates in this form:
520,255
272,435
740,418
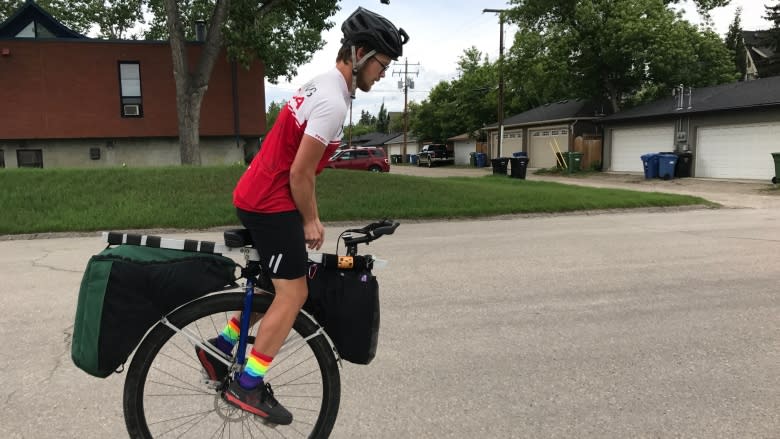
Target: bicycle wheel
166,393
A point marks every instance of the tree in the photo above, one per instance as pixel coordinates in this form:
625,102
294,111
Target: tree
617,51
283,33
464,104
736,44
382,120
366,119
273,112
113,19
773,15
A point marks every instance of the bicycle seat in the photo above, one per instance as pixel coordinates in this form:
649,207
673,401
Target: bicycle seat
238,238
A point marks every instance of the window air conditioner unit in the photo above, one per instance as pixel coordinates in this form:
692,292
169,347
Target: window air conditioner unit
131,110
682,136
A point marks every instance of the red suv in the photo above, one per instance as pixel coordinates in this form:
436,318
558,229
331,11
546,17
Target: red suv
365,159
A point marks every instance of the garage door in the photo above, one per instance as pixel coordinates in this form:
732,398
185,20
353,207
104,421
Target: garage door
737,151
629,144
513,142
540,153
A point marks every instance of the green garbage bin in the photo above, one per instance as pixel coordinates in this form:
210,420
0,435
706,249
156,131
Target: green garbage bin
776,178
573,161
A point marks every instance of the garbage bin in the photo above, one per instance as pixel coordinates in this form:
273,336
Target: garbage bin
499,165
666,165
472,159
650,163
776,157
481,159
518,167
573,160
684,164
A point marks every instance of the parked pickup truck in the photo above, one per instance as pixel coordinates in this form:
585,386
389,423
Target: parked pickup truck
434,154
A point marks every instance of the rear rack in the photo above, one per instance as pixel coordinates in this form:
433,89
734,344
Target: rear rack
192,245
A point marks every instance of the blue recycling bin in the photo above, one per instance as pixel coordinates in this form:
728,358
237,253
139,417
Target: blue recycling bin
481,159
650,163
413,159
666,165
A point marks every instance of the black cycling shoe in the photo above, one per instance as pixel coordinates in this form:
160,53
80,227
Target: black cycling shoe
215,369
259,401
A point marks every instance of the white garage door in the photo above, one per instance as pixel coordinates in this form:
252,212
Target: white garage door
544,143
630,144
513,142
737,151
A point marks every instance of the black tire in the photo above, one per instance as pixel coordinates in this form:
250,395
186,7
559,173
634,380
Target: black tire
375,168
430,162
166,395
774,180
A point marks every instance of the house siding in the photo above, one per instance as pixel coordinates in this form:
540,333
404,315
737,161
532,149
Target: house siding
61,89
134,152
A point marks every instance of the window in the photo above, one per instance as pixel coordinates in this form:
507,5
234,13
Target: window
554,132
94,153
537,133
29,158
35,30
2,158
362,154
130,89
564,131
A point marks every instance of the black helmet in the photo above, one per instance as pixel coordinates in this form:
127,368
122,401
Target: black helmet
375,31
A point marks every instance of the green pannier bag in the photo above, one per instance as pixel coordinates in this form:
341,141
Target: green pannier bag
127,289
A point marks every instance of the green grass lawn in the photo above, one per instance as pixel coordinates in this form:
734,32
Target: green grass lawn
58,200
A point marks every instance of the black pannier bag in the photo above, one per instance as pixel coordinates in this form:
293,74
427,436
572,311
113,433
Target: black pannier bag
127,289
346,304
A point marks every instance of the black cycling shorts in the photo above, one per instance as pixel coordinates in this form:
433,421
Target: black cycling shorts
280,240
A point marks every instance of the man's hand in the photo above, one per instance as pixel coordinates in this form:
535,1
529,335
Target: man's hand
314,232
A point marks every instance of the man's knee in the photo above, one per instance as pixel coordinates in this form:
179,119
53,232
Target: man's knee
293,290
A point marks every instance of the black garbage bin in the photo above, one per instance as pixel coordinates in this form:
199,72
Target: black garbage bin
518,167
684,165
499,165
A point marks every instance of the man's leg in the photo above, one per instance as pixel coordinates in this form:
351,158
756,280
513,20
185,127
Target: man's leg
280,240
290,296
274,327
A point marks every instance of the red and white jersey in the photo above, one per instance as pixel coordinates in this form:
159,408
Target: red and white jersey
317,109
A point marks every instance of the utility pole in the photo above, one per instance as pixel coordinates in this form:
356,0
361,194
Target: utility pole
350,123
500,13
405,84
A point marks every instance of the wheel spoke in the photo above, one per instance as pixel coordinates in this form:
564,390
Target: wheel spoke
167,392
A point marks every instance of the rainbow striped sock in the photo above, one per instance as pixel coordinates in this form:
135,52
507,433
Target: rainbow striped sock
229,336
255,370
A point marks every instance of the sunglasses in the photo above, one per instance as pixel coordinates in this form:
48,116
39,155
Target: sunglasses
384,66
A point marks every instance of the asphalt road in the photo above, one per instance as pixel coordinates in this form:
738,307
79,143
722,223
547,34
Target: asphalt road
615,325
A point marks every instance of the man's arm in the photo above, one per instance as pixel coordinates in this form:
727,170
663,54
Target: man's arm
302,176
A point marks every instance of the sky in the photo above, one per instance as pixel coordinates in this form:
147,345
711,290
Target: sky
439,31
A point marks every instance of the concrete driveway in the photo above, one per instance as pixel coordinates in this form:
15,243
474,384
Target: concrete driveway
729,193
628,324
